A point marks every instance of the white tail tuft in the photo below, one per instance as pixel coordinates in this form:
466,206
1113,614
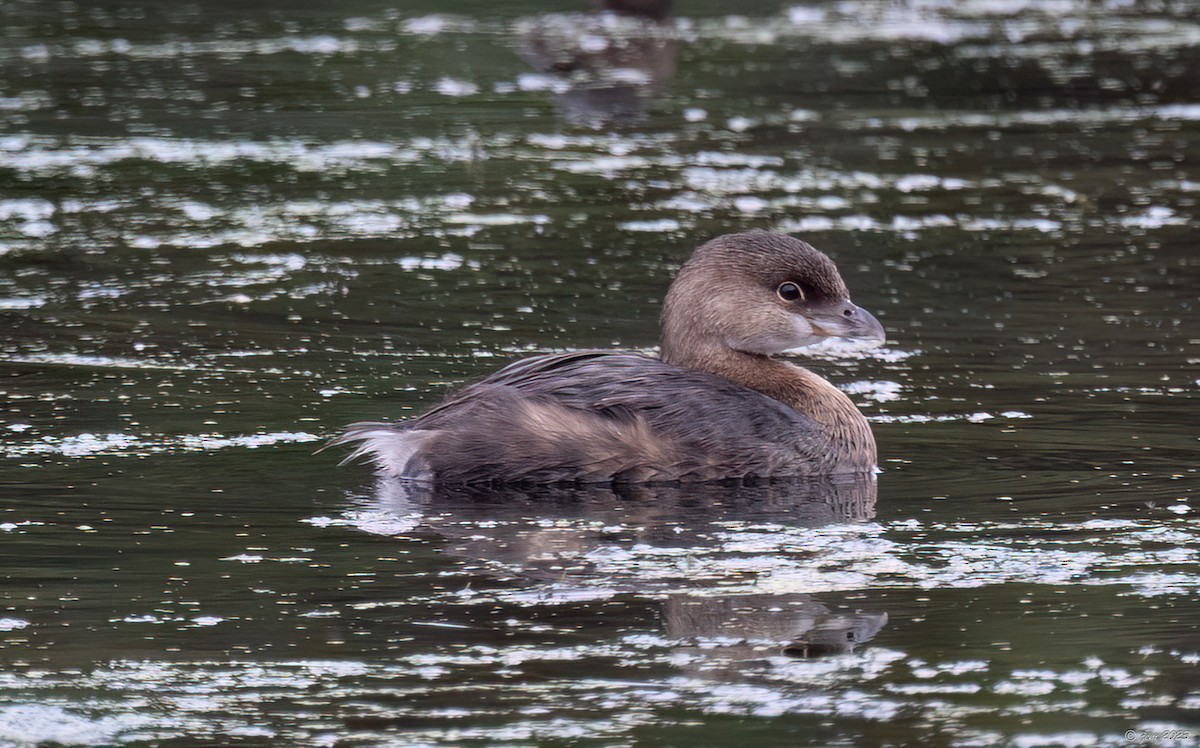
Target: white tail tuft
392,450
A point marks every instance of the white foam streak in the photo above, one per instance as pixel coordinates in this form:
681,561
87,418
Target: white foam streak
129,445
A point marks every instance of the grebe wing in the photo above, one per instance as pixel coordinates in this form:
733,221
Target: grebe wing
597,415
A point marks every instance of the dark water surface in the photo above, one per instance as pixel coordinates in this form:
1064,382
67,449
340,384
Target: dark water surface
226,229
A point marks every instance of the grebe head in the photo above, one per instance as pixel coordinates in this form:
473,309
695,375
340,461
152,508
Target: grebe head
758,293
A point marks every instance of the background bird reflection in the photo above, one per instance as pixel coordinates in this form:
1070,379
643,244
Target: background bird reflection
602,68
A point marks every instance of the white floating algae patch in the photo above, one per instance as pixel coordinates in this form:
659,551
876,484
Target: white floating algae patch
129,445
878,391
87,444
661,225
455,87
740,558
495,219
448,261
22,302
580,680
100,362
374,522
844,348
977,417
41,724
46,156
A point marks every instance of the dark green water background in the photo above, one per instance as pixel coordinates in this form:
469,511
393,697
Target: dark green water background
228,228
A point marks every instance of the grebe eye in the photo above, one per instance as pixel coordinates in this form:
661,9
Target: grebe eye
790,292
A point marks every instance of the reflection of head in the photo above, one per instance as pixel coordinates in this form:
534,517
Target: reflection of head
797,625
836,634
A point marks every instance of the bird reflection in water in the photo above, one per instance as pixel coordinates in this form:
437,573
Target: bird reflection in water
658,541
604,68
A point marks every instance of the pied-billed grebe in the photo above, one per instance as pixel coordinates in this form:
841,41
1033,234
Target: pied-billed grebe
716,405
